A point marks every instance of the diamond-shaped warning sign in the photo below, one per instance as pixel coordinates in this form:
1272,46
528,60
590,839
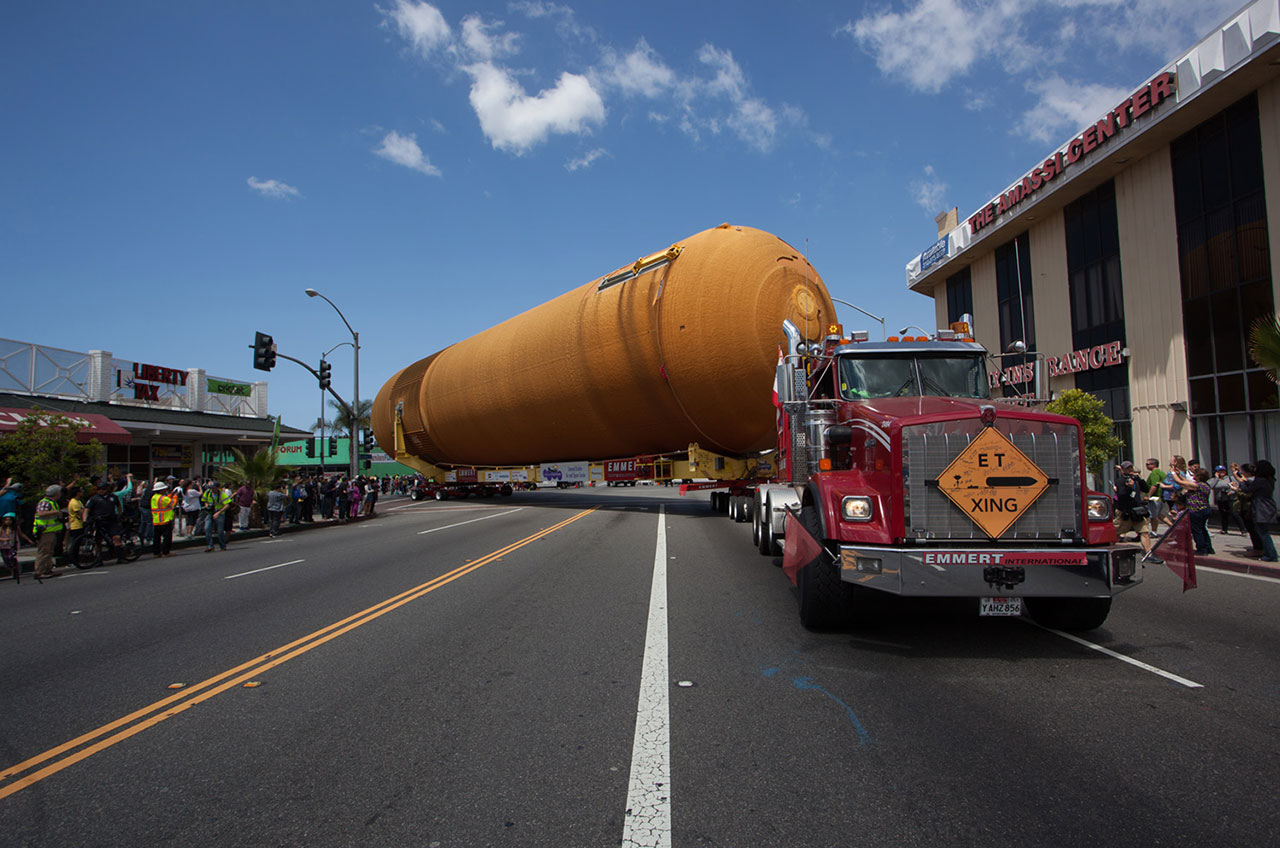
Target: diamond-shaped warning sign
992,482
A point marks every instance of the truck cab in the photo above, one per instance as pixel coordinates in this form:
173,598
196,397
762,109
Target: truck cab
915,482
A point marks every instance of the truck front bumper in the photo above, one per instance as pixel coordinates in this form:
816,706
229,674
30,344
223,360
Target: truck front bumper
961,572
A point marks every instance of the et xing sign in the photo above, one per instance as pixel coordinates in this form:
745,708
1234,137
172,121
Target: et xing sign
992,482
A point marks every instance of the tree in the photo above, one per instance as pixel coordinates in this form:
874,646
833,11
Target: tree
43,450
1264,343
1101,444
259,471
342,420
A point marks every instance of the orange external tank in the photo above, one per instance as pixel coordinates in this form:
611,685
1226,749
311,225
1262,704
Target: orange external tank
679,347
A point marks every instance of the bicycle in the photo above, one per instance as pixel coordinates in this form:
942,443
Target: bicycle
87,551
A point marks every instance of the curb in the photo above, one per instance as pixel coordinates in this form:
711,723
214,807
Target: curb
26,563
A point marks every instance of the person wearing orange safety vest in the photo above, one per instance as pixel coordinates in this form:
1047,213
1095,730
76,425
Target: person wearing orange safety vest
164,503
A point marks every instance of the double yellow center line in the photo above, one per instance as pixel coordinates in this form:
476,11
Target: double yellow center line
72,752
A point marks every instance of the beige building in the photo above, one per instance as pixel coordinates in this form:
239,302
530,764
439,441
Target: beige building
1132,260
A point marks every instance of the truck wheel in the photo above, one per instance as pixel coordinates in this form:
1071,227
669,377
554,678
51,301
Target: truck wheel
1073,614
755,527
415,495
442,495
824,597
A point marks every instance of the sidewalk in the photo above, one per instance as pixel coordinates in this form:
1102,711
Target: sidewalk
1229,555
27,558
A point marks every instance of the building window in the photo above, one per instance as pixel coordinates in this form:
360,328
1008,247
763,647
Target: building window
959,295
1225,268
1014,304
1096,293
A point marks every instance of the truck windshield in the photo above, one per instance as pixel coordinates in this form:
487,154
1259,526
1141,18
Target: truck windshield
863,377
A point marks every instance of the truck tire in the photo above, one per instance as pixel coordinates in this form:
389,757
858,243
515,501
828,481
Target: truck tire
1071,614
414,494
755,522
442,495
824,597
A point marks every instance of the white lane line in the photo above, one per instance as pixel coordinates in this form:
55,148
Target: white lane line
1200,568
259,570
472,521
1191,684
647,823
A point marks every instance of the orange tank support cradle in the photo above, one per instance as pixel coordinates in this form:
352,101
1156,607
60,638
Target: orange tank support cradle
680,347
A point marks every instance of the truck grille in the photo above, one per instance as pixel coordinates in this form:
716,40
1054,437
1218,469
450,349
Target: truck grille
928,449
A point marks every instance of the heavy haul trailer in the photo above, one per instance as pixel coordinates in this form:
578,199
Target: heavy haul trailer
914,482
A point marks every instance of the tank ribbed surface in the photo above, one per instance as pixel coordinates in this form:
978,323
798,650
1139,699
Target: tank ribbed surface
681,353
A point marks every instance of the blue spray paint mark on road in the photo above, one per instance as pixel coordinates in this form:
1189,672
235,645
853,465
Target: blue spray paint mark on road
806,683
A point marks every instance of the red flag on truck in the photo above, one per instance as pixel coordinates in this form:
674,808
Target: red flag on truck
1178,551
798,547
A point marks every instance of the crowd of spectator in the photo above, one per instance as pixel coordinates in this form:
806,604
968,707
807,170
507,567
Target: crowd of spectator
1242,495
164,507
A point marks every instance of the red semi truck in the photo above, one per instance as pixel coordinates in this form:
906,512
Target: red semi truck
915,482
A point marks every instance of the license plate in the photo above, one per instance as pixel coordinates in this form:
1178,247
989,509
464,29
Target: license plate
1000,606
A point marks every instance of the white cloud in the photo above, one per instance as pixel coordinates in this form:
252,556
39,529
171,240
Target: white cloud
273,188
1064,107
566,22
483,44
514,121
931,42
753,120
404,150
639,73
421,24
928,192
586,160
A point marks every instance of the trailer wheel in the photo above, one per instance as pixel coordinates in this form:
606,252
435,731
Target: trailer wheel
1073,614
442,495
766,544
824,597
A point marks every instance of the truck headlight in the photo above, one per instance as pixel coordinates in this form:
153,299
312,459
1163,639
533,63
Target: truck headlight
1100,508
857,508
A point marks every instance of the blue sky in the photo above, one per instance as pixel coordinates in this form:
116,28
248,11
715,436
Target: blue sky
175,174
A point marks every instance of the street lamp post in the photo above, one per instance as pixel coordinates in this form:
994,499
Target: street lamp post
353,465
321,446
866,313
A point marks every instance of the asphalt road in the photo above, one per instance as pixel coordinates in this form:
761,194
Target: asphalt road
473,673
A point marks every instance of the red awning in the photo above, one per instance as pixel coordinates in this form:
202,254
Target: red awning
98,427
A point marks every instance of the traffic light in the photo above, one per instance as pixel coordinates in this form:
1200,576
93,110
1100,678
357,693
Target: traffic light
366,439
264,352
311,448
326,369
333,446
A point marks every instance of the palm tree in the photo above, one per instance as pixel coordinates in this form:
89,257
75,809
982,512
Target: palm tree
259,471
1264,344
341,422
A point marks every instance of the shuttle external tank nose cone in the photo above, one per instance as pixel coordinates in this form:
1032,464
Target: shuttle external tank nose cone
680,347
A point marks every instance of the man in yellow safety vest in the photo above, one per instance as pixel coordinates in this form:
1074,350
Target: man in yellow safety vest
163,505
48,527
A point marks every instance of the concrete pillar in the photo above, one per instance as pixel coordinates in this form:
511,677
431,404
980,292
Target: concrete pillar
259,399
101,377
197,396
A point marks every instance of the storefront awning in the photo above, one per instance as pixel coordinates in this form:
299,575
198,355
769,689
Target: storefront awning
98,427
